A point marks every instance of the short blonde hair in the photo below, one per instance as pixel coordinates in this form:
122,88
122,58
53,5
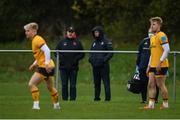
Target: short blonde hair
157,19
32,25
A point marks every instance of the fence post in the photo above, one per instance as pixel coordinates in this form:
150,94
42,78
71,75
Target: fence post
174,80
57,70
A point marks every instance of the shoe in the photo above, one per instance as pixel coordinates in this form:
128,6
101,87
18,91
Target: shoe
97,99
72,99
147,107
163,107
56,106
65,99
36,108
142,102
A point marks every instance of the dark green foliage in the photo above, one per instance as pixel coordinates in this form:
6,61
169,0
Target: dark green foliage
128,20
125,20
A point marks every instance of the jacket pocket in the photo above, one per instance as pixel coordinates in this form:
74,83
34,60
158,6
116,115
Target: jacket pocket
98,62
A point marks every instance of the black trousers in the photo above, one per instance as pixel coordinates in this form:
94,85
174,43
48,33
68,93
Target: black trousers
68,74
144,79
99,73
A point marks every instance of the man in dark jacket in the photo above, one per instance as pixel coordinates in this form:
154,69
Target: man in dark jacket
142,63
69,62
100,63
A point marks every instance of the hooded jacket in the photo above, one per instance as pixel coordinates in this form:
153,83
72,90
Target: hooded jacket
100,43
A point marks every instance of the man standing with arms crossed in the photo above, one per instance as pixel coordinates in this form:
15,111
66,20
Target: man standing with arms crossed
158,64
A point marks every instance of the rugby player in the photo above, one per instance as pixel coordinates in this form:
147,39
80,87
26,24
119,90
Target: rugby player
158,63
43,66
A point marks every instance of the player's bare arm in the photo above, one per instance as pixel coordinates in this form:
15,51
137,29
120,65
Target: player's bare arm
34,66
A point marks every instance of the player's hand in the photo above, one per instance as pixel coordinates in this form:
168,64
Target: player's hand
48,68
158,67
33,67
147,71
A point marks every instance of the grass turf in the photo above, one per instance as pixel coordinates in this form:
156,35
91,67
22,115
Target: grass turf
16,102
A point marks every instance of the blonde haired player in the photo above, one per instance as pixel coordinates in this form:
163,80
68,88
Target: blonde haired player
158,63
43,66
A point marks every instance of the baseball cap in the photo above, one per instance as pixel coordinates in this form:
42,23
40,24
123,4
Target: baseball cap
70,29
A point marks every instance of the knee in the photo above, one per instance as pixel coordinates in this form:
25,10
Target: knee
49,87
97,85
151,85
30,85
64,85
72,86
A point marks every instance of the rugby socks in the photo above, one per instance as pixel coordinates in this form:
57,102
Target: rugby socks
36,105
165,102
151,102
35,97
54,95
35,93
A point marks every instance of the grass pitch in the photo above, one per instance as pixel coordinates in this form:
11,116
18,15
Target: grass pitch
16,102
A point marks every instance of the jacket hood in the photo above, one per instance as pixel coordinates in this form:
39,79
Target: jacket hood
101,31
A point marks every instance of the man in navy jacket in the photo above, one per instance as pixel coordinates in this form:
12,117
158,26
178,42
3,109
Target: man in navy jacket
142,63
100,63
69,62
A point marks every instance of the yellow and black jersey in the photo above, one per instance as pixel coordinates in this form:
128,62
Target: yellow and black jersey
157,41
37,43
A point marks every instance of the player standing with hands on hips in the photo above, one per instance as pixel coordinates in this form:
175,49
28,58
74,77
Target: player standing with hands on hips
43,66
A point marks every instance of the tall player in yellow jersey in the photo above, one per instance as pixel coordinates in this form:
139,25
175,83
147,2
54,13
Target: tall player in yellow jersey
158,64
43,66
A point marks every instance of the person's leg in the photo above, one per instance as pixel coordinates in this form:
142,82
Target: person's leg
97,83
164,91
33,83
106,79
73,79
53,91
64,79
144,91
144,80
151,91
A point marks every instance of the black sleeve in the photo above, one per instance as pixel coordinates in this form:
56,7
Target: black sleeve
80,55
110,48
90,54
58,47
139,52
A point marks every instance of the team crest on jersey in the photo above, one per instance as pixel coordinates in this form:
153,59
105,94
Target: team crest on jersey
94,44
163,38
74,43
145,43
65,44
102,43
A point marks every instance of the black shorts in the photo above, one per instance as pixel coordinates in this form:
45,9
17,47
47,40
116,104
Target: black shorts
43,71
163,71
